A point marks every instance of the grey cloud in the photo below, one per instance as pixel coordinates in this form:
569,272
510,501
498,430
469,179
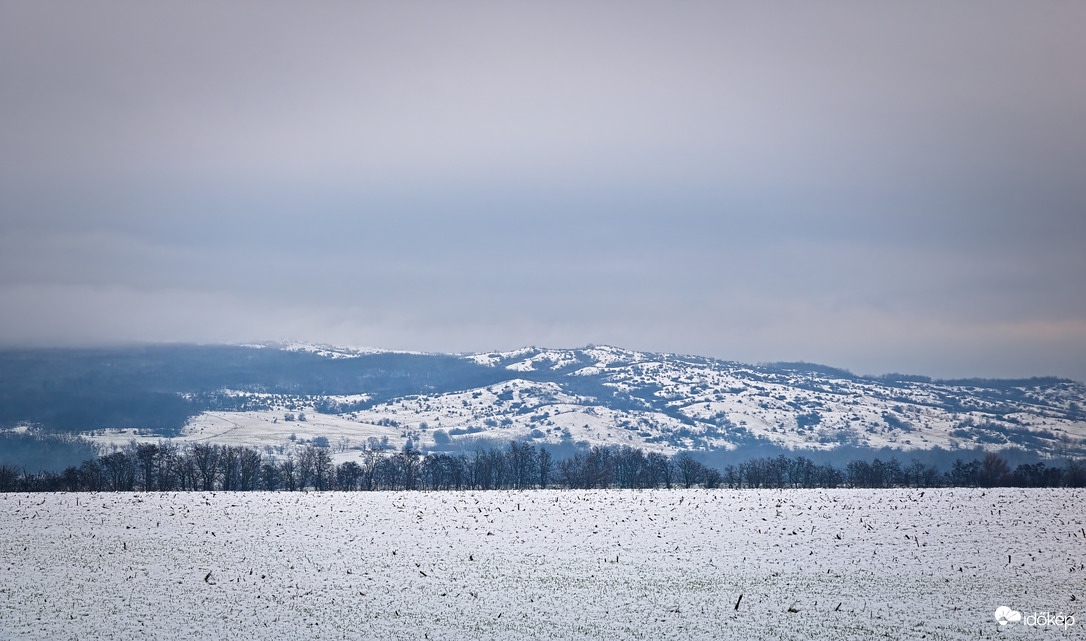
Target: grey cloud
873,186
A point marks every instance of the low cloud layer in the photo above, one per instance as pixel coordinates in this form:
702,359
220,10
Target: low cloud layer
874,187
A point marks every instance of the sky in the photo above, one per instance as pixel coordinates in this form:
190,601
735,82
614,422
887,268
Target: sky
883,187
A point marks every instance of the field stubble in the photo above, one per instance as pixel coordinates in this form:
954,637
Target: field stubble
807,564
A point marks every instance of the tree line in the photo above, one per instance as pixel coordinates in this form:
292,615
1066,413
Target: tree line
519,466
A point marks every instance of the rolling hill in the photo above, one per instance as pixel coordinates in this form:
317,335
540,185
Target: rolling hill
276,396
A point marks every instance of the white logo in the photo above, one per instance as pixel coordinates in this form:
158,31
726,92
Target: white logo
1005,615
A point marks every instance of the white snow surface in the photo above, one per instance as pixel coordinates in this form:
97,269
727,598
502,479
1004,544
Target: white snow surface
334,351
673,403
528,359
801,564
473,414
724,401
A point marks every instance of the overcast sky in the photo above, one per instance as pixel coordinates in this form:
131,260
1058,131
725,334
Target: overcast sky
876,186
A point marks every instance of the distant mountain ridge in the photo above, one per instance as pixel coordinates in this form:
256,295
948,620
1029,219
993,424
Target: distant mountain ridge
595,395
691,402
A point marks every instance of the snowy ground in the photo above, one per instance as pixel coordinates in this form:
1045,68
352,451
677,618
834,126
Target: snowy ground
809,564
557,415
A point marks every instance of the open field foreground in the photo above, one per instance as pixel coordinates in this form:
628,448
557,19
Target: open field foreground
809,564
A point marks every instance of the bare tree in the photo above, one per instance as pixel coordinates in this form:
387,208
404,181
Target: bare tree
522,462
91,476
546,464
147,460
630,467
206,459
269,476
689,469
230,467
371,458
660,469
408,464
304,466
188,477
9,477
569,470
348,475
323,472
1075,474
120,471
169,463
249,469
288,474
994,471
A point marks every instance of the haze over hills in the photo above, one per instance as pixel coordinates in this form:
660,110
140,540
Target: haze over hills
278,396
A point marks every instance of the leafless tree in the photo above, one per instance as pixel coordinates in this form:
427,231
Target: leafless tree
206,459
546,464
689,469
147,460
230,467
323,472
249,468
348,475
288,474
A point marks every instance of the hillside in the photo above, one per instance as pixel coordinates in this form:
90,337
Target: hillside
281,395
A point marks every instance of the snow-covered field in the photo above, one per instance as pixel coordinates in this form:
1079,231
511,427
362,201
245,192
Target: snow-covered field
807,564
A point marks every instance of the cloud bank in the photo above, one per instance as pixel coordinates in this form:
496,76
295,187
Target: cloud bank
874,187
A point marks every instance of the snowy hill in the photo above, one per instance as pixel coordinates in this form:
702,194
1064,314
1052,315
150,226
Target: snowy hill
669,402
601,395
